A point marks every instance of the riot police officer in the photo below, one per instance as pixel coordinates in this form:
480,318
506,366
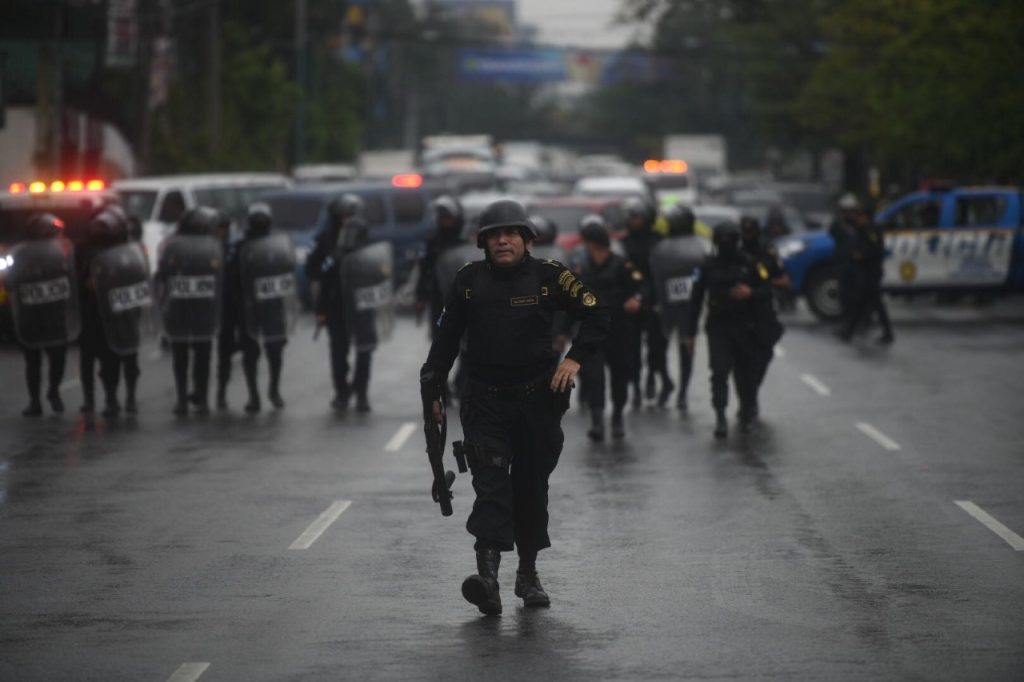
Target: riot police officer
448,217
673,263
228,341
621,288
843,231
117,282
734,289
189,283
516,392
44,305
261,281
322,267
640,240
867,258
768,329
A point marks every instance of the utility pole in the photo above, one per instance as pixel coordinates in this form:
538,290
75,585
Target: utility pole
301,19
213,94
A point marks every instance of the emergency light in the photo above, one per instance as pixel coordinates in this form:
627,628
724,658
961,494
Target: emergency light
56,187
407,180
667,166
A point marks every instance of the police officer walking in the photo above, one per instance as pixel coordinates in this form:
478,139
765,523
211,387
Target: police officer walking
734,289
516,392
448,217
621,288
843,231
189,284
44,306
673,263
640,240
768,329
322,267
867,259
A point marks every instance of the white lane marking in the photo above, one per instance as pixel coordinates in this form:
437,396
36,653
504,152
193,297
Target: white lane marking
188,672
402,435
779,351
813,382
879,437
323,522
1011,538
70,384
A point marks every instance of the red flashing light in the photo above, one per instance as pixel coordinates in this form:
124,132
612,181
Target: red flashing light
17,187
95,185
652,166
407,180
76,186
58,223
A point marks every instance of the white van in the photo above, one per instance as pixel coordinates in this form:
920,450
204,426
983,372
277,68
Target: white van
159,201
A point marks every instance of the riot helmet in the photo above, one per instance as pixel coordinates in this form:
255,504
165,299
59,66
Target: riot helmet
547,230
505,213
260,218
448,214
594,230
44,226
680,221
342,208
639,215
750,232
354,234
109,226
727,239
200,221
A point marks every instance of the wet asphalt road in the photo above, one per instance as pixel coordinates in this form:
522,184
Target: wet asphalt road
828,545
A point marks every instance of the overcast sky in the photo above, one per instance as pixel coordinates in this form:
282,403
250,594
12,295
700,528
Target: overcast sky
586,23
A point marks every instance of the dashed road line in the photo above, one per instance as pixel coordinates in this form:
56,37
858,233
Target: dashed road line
818,386
402,435
323,522
879,437
1012,539
188,672
779,351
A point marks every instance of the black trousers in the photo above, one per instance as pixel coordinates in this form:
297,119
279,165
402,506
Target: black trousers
685,371
732,350
200,351
612,355
657,345
868,301
112,366
251,356
511,507
92,347
56,356
227,346
340,339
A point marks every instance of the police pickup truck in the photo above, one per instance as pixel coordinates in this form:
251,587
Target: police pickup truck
967,239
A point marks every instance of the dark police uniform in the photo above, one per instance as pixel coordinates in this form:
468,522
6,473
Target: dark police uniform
510,417
638,245
868,259
768,330
731,327
614,282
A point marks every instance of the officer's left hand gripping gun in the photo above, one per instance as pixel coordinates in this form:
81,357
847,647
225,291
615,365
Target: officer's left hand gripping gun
431,392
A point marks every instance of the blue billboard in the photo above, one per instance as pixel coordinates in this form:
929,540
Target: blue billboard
556,65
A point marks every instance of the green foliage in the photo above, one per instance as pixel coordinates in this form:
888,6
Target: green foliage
933,87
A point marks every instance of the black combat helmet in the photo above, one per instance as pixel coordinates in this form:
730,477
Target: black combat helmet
346,206
727,239
680,221
750,231
44,226
594,230
635,207
547,230
200,221
505,213
260,218
109,226
449,207
354,234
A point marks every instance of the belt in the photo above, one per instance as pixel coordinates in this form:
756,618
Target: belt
517,392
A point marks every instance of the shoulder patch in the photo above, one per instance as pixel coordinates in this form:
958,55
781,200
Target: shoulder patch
552,262
464,266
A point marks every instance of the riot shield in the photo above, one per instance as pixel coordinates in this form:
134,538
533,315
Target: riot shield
550,252
267,266
189,287
450,262
120,275
44,293
367,289
673,261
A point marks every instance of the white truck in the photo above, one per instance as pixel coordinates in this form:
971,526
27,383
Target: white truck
705,154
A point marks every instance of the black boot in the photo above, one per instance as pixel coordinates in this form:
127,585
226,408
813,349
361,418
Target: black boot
112,409
721,424
596,432
130,406
341,398
666,390
222,395
650,389
528,587
362,403
618,429
56,404
482,589
34,409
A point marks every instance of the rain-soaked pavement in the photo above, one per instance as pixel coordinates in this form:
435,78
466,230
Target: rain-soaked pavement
829,545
